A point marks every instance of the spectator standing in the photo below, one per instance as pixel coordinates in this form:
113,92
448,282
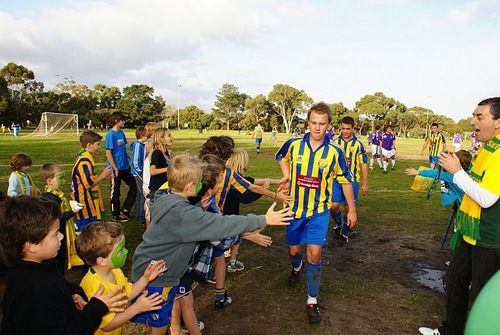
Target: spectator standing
477,241
116,153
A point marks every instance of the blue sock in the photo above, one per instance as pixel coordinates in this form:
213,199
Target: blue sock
337,218
296,260
345,230
313,278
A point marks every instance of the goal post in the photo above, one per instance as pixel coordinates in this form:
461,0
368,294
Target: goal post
57,123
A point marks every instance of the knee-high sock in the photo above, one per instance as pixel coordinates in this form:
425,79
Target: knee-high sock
345,230
296,260
313,278
337,218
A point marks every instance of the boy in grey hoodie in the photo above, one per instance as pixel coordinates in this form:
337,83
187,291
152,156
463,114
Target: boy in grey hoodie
175,228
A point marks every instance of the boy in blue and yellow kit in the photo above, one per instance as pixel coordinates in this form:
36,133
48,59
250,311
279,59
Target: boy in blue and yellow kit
309,166
85,181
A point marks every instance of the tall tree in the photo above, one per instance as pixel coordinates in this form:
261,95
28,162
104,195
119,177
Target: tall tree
139,104
288,102
229,103
192,116
257,108
338,112
20,84
376,107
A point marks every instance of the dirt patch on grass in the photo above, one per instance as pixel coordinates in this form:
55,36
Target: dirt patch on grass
367,288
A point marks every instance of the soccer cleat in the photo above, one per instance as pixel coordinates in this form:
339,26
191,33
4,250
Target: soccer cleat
336,232
428,331
371,167
384,172
220,304
126,213
201,325
120,218
293,278
343,239
393,168
313,313
236,266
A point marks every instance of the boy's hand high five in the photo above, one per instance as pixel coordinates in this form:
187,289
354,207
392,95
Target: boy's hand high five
278,218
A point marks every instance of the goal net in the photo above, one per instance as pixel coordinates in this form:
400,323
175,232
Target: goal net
57,123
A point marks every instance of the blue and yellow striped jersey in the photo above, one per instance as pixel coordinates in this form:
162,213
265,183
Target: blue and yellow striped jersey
83,189
435,142
312,174
355,155
229,178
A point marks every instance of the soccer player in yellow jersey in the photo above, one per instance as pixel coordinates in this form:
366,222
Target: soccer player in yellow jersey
309,166
436,142
357,162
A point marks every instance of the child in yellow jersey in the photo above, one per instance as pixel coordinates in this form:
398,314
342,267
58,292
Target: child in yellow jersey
102,246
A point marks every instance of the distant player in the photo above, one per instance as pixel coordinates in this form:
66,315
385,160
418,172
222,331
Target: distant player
436,142
376,150
388,145
258,133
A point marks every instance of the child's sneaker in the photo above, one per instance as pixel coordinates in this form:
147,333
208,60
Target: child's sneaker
235,266
126,213
201,325
220,304
120,218
343,239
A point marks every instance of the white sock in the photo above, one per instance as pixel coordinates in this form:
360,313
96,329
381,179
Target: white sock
311,300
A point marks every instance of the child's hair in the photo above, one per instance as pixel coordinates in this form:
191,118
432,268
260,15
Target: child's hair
184,169
49,170
24,219
158,137
215,160
221,146
115,118
238,162
465,158
148,145
97,239
211,173
140,132
89,137
20,160
150,128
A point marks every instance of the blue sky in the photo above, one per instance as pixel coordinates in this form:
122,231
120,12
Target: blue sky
438,54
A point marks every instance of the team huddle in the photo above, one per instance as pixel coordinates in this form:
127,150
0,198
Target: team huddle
189,207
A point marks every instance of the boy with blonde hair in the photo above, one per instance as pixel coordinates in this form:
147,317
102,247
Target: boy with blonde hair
85,181
53,176
102,246
175,228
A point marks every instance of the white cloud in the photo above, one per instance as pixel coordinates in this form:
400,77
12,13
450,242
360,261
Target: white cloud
334,50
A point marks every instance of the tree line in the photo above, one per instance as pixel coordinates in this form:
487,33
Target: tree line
23,98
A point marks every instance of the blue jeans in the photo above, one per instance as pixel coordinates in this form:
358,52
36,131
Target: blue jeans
139,201
468,264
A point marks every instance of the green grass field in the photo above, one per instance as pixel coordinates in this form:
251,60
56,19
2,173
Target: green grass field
390,198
